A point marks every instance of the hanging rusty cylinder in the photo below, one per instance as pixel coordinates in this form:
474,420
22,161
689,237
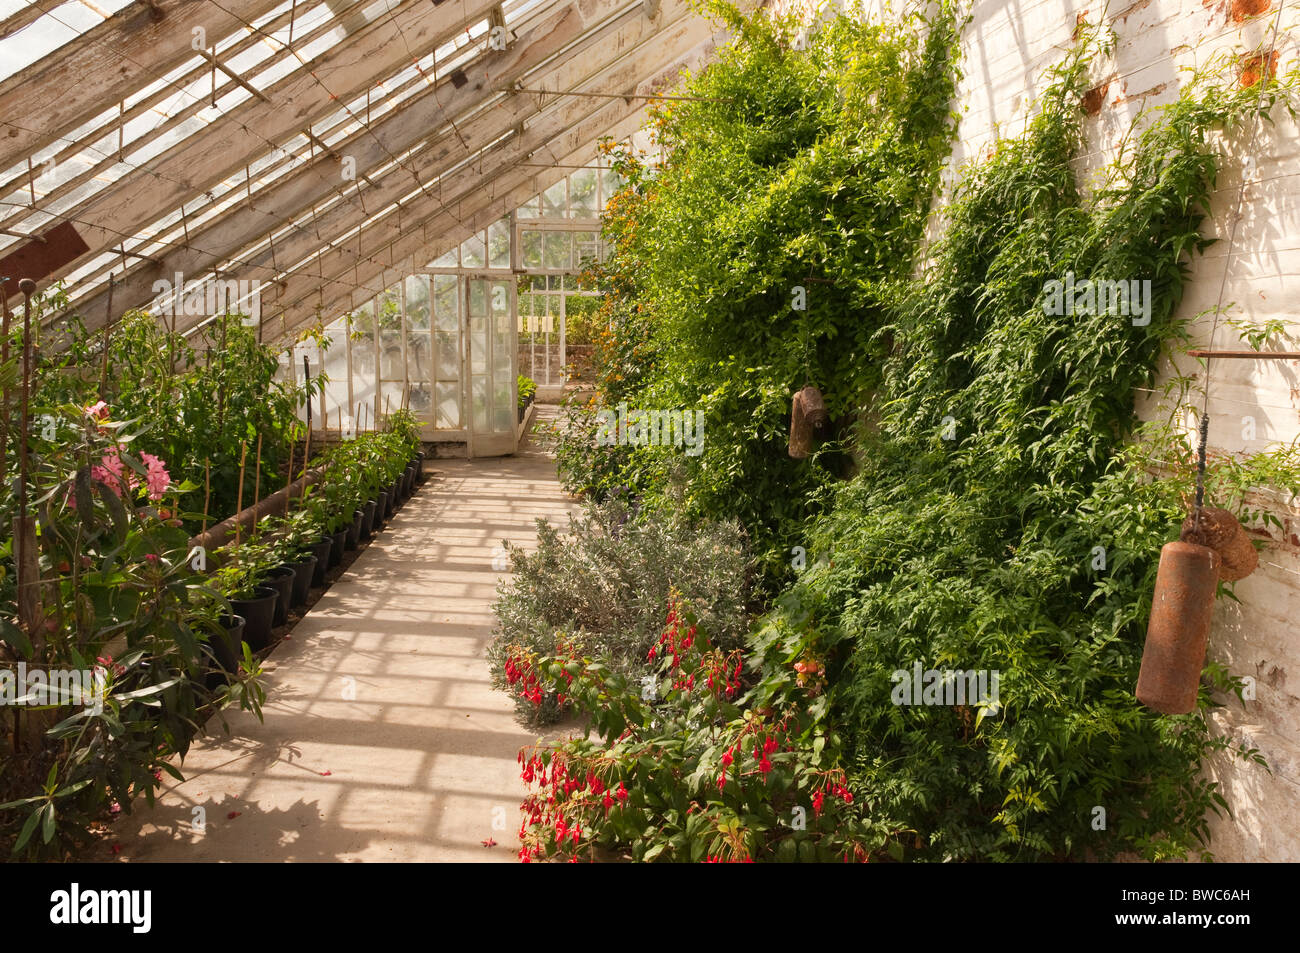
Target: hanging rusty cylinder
1179,629
808,421
1223,533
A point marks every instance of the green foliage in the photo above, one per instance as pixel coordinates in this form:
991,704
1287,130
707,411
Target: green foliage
980,551
809,170
208,399
120,597
527,389
1003,517
674,769
606,582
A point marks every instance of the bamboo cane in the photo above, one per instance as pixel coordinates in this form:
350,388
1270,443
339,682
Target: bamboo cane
239,502
257,475
103,358
207,490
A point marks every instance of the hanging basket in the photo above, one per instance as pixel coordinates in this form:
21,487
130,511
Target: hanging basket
1221,532
808,421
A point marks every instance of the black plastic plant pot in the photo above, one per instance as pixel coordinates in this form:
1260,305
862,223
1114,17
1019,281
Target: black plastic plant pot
354,529
410,478
302,575
322,552
281,580
259,616
419,467
339,546
381,509
368,519
392,499
225,644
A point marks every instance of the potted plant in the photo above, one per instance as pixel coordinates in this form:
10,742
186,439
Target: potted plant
238,578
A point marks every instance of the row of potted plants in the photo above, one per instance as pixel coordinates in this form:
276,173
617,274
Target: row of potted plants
269,573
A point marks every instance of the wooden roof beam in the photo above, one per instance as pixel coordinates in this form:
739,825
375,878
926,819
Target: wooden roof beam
228,236
107,64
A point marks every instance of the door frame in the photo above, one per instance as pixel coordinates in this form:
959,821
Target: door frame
492,444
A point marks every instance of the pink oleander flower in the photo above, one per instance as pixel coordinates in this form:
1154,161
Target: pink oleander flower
98,410
110,471
157,479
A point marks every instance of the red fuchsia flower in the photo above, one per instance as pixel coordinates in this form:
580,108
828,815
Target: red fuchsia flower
722,781
817,803
769,745
765,766
650,657
607,802
728,757
621,793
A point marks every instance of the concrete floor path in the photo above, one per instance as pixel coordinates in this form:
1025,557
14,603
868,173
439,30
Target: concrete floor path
383,739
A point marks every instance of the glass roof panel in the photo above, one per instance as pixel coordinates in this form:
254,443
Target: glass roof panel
57,26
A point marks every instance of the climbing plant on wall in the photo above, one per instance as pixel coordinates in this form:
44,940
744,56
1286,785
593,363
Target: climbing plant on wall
1004,518
753,260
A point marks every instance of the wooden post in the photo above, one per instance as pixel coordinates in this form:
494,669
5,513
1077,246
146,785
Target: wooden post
26,559
4,359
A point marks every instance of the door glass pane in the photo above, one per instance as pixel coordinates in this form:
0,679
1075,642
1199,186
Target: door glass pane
480,398
478,345
501,345
501,407
447,416
447,344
